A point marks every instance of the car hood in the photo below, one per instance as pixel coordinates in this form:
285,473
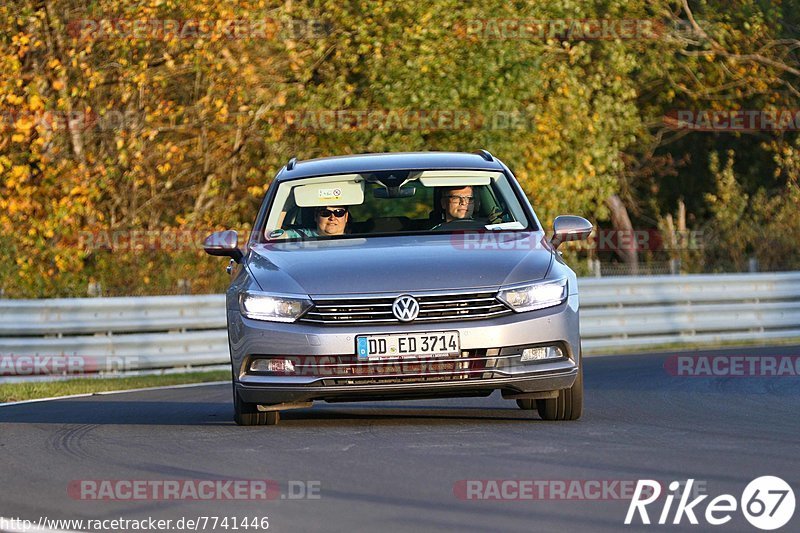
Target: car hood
400,263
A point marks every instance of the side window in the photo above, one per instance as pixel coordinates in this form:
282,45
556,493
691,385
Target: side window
290,213
492,202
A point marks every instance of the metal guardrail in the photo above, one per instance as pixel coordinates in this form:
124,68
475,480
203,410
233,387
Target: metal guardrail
616,313
638,312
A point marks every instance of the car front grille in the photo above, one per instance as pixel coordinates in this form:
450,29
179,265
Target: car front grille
378,310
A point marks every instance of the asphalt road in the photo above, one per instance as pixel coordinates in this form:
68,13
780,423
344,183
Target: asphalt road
396,466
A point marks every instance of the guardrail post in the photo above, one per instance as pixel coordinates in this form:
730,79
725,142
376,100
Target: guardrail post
184,286
594,267
94,289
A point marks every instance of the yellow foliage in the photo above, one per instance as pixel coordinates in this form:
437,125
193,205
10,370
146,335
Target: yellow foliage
20,172
35,103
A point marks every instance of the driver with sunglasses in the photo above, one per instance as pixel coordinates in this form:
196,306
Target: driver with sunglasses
331,220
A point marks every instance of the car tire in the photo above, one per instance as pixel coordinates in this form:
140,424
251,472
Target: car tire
569,403
527,404
247,414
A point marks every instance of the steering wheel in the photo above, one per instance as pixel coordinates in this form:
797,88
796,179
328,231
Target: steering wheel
497,216
461,224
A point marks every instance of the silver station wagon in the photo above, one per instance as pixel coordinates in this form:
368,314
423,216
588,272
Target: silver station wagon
401,276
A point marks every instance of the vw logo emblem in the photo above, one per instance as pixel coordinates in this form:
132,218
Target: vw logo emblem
405,308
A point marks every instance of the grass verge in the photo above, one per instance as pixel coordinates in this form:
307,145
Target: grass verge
17,392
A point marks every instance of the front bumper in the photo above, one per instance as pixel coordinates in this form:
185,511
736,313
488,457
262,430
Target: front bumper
490,359
272,393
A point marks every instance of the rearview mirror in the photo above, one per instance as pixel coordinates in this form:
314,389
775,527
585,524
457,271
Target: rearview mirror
224,243
395,192
570,228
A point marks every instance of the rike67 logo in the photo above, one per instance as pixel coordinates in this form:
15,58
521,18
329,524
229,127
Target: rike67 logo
767,503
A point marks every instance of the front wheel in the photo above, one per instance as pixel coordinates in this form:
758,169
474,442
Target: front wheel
569,403
247,414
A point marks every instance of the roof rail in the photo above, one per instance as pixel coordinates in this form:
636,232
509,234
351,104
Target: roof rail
485,154
292,162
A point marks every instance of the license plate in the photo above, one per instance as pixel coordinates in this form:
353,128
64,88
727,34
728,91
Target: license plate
432,344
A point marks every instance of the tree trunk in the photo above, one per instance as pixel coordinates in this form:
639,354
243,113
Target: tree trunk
626,241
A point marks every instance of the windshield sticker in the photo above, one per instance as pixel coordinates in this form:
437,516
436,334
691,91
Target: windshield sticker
330,194
274,234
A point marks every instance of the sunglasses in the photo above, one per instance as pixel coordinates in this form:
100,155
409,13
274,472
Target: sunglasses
325,213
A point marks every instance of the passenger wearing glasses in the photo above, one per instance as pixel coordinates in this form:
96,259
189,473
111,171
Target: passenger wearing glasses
330,221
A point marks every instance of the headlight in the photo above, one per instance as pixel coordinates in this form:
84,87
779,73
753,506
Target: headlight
263,306
535,296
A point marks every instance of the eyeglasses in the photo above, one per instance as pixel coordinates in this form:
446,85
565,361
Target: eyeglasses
325,213
461,199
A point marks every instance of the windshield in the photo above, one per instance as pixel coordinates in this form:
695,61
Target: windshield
434,201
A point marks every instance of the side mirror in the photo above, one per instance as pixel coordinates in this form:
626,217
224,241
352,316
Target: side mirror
570,228
224,243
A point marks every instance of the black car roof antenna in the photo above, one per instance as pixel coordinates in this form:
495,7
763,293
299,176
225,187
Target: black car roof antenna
292,162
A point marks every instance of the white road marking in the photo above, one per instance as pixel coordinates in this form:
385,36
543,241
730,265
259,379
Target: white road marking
103,393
